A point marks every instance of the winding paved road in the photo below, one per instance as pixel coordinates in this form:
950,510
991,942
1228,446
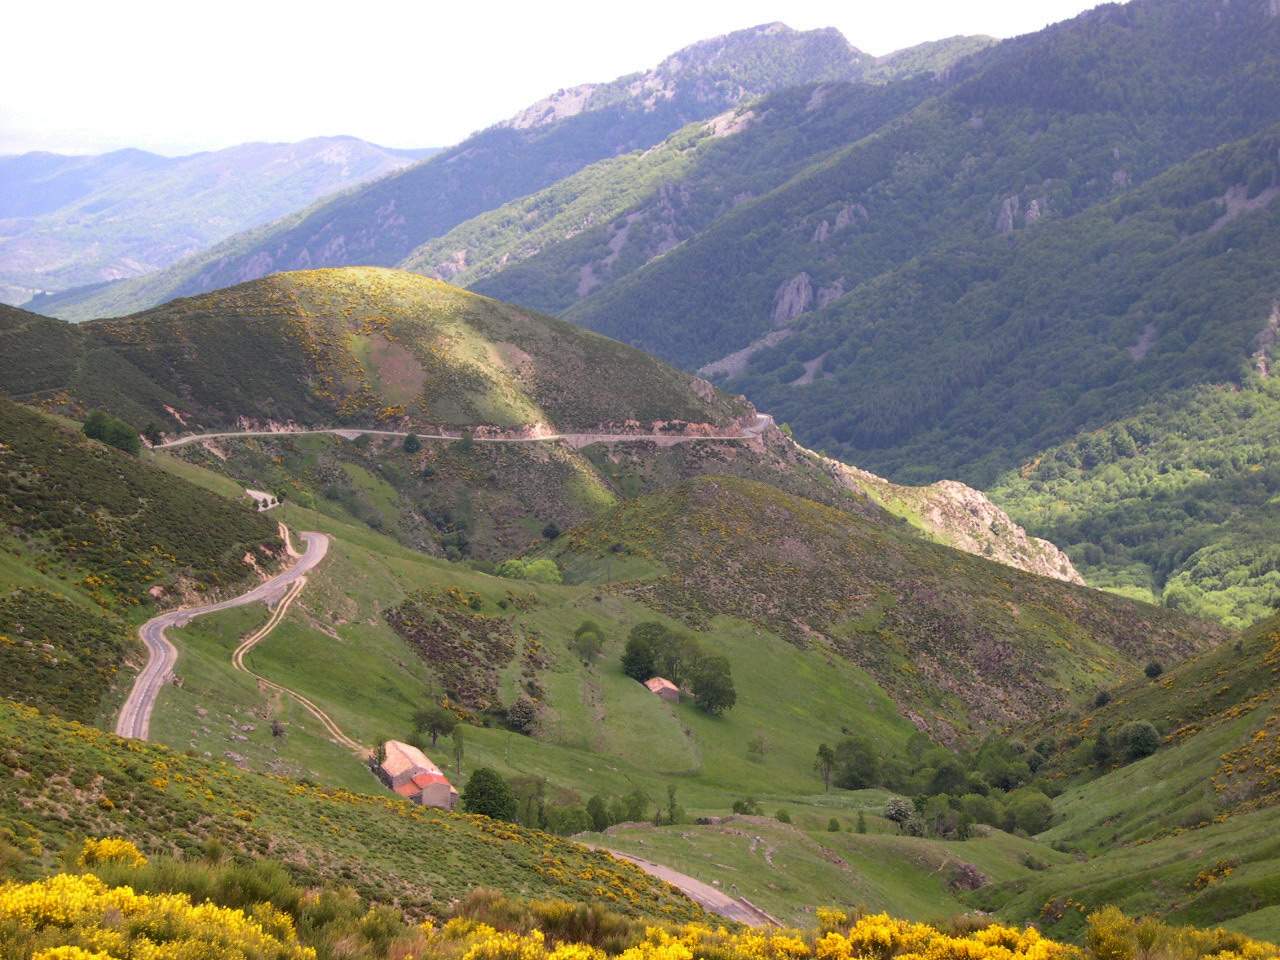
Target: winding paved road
703,894
762,423
135,715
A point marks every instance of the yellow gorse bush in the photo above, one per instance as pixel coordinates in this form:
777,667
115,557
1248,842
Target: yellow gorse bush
110,850
78,917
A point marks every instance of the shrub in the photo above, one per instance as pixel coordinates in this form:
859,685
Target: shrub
833,825
782,816
1153,669
112,431
1102,698
1137,739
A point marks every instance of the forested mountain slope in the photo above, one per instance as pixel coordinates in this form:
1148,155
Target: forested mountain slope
544,143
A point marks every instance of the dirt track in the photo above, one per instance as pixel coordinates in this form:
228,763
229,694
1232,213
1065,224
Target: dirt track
135,716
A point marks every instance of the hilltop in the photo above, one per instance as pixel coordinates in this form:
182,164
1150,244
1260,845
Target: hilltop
349,346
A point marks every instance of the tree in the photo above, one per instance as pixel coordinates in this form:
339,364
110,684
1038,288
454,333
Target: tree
713,689
522,715
857,764
541,570
1102,698
598,812
640,658
1100,753
152,434
588,641
113,431
833,825
757,746
782,816
435,721
1029,811
551,531
1137,739
412,444
899,810
825,764
489,795
635,806
1153,669
862,822
675,812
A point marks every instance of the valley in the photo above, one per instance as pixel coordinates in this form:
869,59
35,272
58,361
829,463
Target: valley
782,503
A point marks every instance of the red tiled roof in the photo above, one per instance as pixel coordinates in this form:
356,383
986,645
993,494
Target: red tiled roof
422,779
657,684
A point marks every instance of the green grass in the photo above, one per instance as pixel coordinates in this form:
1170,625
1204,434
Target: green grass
788,870
386,848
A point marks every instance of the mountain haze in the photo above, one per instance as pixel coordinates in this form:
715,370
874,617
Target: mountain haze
68,221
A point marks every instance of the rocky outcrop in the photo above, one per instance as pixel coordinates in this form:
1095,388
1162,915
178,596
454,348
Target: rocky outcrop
961,517
792,299
1266,340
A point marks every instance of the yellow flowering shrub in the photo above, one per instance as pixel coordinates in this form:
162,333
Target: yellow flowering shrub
110,850
78,917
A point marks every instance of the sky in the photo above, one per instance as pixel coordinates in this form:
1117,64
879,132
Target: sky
85,76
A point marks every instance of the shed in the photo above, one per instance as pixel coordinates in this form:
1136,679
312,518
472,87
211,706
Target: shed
663,688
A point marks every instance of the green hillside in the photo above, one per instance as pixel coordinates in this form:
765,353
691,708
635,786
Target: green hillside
1177,502
92,537
384,847
1189,831
536,250
958,642
353,346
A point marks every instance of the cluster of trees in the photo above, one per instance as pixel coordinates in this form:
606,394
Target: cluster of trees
655,650
530,801
995,784
113,431
538,570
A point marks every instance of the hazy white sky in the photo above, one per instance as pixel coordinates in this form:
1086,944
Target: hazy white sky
177,76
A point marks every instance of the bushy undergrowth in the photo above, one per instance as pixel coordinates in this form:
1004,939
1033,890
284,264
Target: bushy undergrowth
85,511
172,910
56,654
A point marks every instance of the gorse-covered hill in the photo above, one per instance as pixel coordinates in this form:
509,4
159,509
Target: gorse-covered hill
542,144
959,642
71,220
357,345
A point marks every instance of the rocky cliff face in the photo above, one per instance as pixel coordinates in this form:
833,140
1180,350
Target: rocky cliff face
962,517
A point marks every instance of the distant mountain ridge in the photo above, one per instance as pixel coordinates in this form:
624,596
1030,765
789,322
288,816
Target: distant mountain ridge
67,221
383,223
